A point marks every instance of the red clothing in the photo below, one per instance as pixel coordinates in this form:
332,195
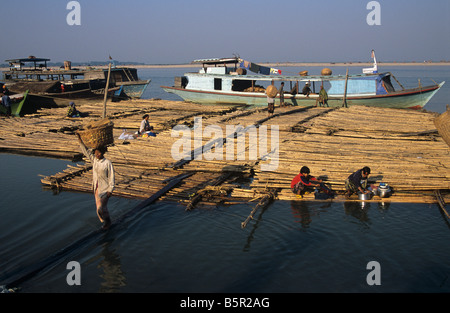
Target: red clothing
305,181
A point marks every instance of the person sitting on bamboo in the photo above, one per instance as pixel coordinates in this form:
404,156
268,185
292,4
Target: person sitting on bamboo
145,128
72,111
102,180
304,182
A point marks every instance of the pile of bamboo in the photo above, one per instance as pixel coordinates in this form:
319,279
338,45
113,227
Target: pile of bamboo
143,164
399,146
402,148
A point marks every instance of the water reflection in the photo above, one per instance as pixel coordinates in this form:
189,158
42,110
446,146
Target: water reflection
304,212
254,228
113,276
358,210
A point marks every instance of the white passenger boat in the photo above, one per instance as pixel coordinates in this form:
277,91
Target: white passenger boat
226,81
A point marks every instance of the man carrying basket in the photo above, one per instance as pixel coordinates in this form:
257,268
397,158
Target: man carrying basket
102,180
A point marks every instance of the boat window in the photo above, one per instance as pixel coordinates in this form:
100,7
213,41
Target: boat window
217,83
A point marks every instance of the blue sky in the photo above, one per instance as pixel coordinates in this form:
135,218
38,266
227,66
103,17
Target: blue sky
179,31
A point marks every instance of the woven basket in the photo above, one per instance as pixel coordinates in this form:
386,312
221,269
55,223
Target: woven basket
326,72
442,123
271,91
98,133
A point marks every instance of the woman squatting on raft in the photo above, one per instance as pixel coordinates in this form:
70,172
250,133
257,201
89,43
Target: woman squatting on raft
102,180
357,182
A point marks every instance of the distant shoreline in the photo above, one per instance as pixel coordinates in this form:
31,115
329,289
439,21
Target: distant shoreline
306,64
272,64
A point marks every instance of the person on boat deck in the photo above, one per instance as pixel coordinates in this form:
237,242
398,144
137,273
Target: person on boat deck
304,182
294,89
323,97
145,125
357,181
281,91
72,111
6,102
102,180
306,90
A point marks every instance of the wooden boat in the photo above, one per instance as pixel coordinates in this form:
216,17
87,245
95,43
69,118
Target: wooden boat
61,86
124,79
130,90
222,81
442,123
18,104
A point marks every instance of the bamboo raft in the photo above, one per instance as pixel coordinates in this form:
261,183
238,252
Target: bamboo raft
403,149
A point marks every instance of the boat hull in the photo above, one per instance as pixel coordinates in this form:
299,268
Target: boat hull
62,99
18,104
132,89
406,99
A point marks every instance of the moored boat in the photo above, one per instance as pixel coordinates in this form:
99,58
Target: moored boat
224,81
59,86
130,90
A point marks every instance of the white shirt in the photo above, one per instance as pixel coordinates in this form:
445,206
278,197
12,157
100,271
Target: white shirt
143,124
102,173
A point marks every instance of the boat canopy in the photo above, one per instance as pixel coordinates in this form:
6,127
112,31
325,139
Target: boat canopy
217,61
17,63
25,60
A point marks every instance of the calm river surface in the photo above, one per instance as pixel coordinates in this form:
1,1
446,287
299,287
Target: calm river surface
288,248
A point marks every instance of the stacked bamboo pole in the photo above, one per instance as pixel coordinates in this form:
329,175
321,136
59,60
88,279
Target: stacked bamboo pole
402,148
337,144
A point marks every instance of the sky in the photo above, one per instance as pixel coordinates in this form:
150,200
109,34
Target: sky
179,31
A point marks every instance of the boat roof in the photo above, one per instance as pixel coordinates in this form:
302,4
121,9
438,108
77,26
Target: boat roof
217,61
29,59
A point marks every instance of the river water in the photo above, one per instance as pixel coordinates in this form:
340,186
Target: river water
288,248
